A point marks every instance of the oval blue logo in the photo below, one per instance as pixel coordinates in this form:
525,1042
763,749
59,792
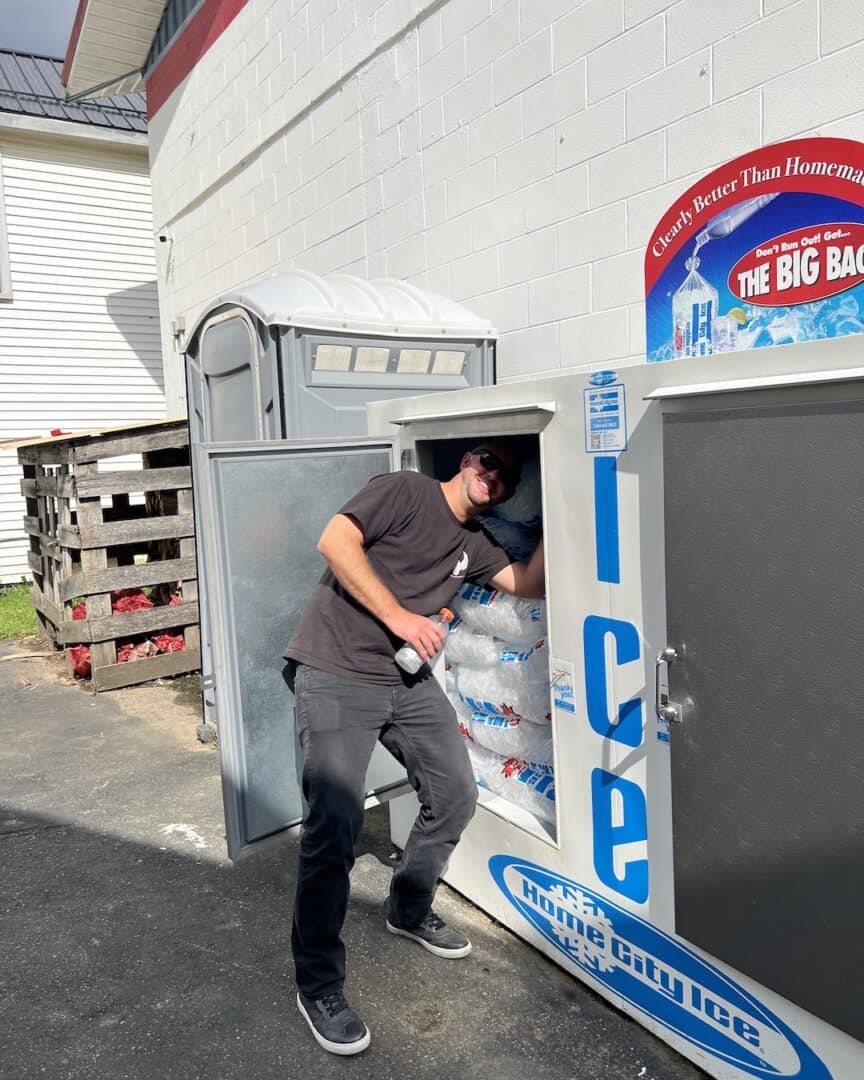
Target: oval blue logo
656,974
602,378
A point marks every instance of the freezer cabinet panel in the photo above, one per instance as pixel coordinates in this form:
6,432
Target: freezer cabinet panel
764,521
264,508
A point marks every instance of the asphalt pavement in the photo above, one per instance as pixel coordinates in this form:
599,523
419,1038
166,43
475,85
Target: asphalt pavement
132,948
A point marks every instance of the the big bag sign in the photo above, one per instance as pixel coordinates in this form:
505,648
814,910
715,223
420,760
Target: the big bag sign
766,250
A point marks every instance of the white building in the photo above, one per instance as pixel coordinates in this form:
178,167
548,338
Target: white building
513,156
79,320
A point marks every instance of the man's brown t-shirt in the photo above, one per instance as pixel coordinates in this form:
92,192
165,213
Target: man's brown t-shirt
421,553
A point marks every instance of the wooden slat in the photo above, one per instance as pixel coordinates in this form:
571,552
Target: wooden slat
35,562
94,581
48,608
43,455
153,667
57,486
120,626
137,530
133,444
31,525
109,483
69,536
189,587
94,564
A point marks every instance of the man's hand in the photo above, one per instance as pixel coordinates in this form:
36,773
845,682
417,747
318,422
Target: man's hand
425,637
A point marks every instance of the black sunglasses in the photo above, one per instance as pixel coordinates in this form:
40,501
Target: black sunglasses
509,475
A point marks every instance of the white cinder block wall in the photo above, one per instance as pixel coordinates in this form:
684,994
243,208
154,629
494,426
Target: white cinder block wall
511,154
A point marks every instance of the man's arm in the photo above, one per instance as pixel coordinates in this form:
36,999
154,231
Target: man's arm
341,544
523,579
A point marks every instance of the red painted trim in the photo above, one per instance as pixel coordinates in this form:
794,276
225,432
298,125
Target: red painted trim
73,40
203,29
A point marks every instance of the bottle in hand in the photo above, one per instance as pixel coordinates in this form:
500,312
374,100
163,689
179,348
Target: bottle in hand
408,658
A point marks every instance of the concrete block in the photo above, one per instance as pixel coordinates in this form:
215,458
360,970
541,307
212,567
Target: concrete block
458,19
592,132
781,43
702,142
496,130
595,337
401,101
319,226
442,72
692,25
554,98
381,153
841,24
413,215
407,258
344,139
330,185
534,15
469,99
636,321
586,29
448,241
435,203
429,36
523,66
383,230
446,157
409,135
528,162
349,210
498,221
626,170
432,122
373,195
528,352
506,309
849,127
403,180
635,55
493,37
804,99
473,187
563,195
591,236
618,281
474,274
527,257
637,11
680,90
561,295
645,209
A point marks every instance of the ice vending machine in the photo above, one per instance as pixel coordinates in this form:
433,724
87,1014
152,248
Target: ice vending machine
703,525
702,864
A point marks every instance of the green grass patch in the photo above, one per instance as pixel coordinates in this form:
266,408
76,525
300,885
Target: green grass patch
17,616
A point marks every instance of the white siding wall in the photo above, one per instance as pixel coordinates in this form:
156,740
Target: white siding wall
79,342
511,154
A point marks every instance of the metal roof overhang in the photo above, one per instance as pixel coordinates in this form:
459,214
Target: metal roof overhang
343,303
109,44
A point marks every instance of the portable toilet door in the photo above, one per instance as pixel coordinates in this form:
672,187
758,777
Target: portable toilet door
278,378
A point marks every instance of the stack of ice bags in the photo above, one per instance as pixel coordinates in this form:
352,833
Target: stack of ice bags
498,669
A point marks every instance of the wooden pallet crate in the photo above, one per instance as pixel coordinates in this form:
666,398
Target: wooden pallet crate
88,539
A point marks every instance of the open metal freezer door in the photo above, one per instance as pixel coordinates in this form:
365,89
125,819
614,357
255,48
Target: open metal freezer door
261,508
764,517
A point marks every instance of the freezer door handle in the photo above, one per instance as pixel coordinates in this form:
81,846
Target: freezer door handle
662,707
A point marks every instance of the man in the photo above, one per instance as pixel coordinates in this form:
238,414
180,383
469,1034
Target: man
398,551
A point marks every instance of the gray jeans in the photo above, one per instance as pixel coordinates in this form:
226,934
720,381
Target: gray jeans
338,723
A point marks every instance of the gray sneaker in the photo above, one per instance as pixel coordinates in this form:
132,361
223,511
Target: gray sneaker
435,935
334,1023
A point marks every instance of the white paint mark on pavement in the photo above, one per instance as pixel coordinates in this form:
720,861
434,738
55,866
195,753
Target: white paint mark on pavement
187,832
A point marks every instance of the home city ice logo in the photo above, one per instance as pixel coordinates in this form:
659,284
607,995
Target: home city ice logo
655,973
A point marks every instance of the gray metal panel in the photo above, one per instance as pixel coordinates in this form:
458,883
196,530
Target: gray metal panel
764,518
263,508
31,85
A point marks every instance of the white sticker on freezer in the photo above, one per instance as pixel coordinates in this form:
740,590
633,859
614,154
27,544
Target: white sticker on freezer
563,685
605,419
